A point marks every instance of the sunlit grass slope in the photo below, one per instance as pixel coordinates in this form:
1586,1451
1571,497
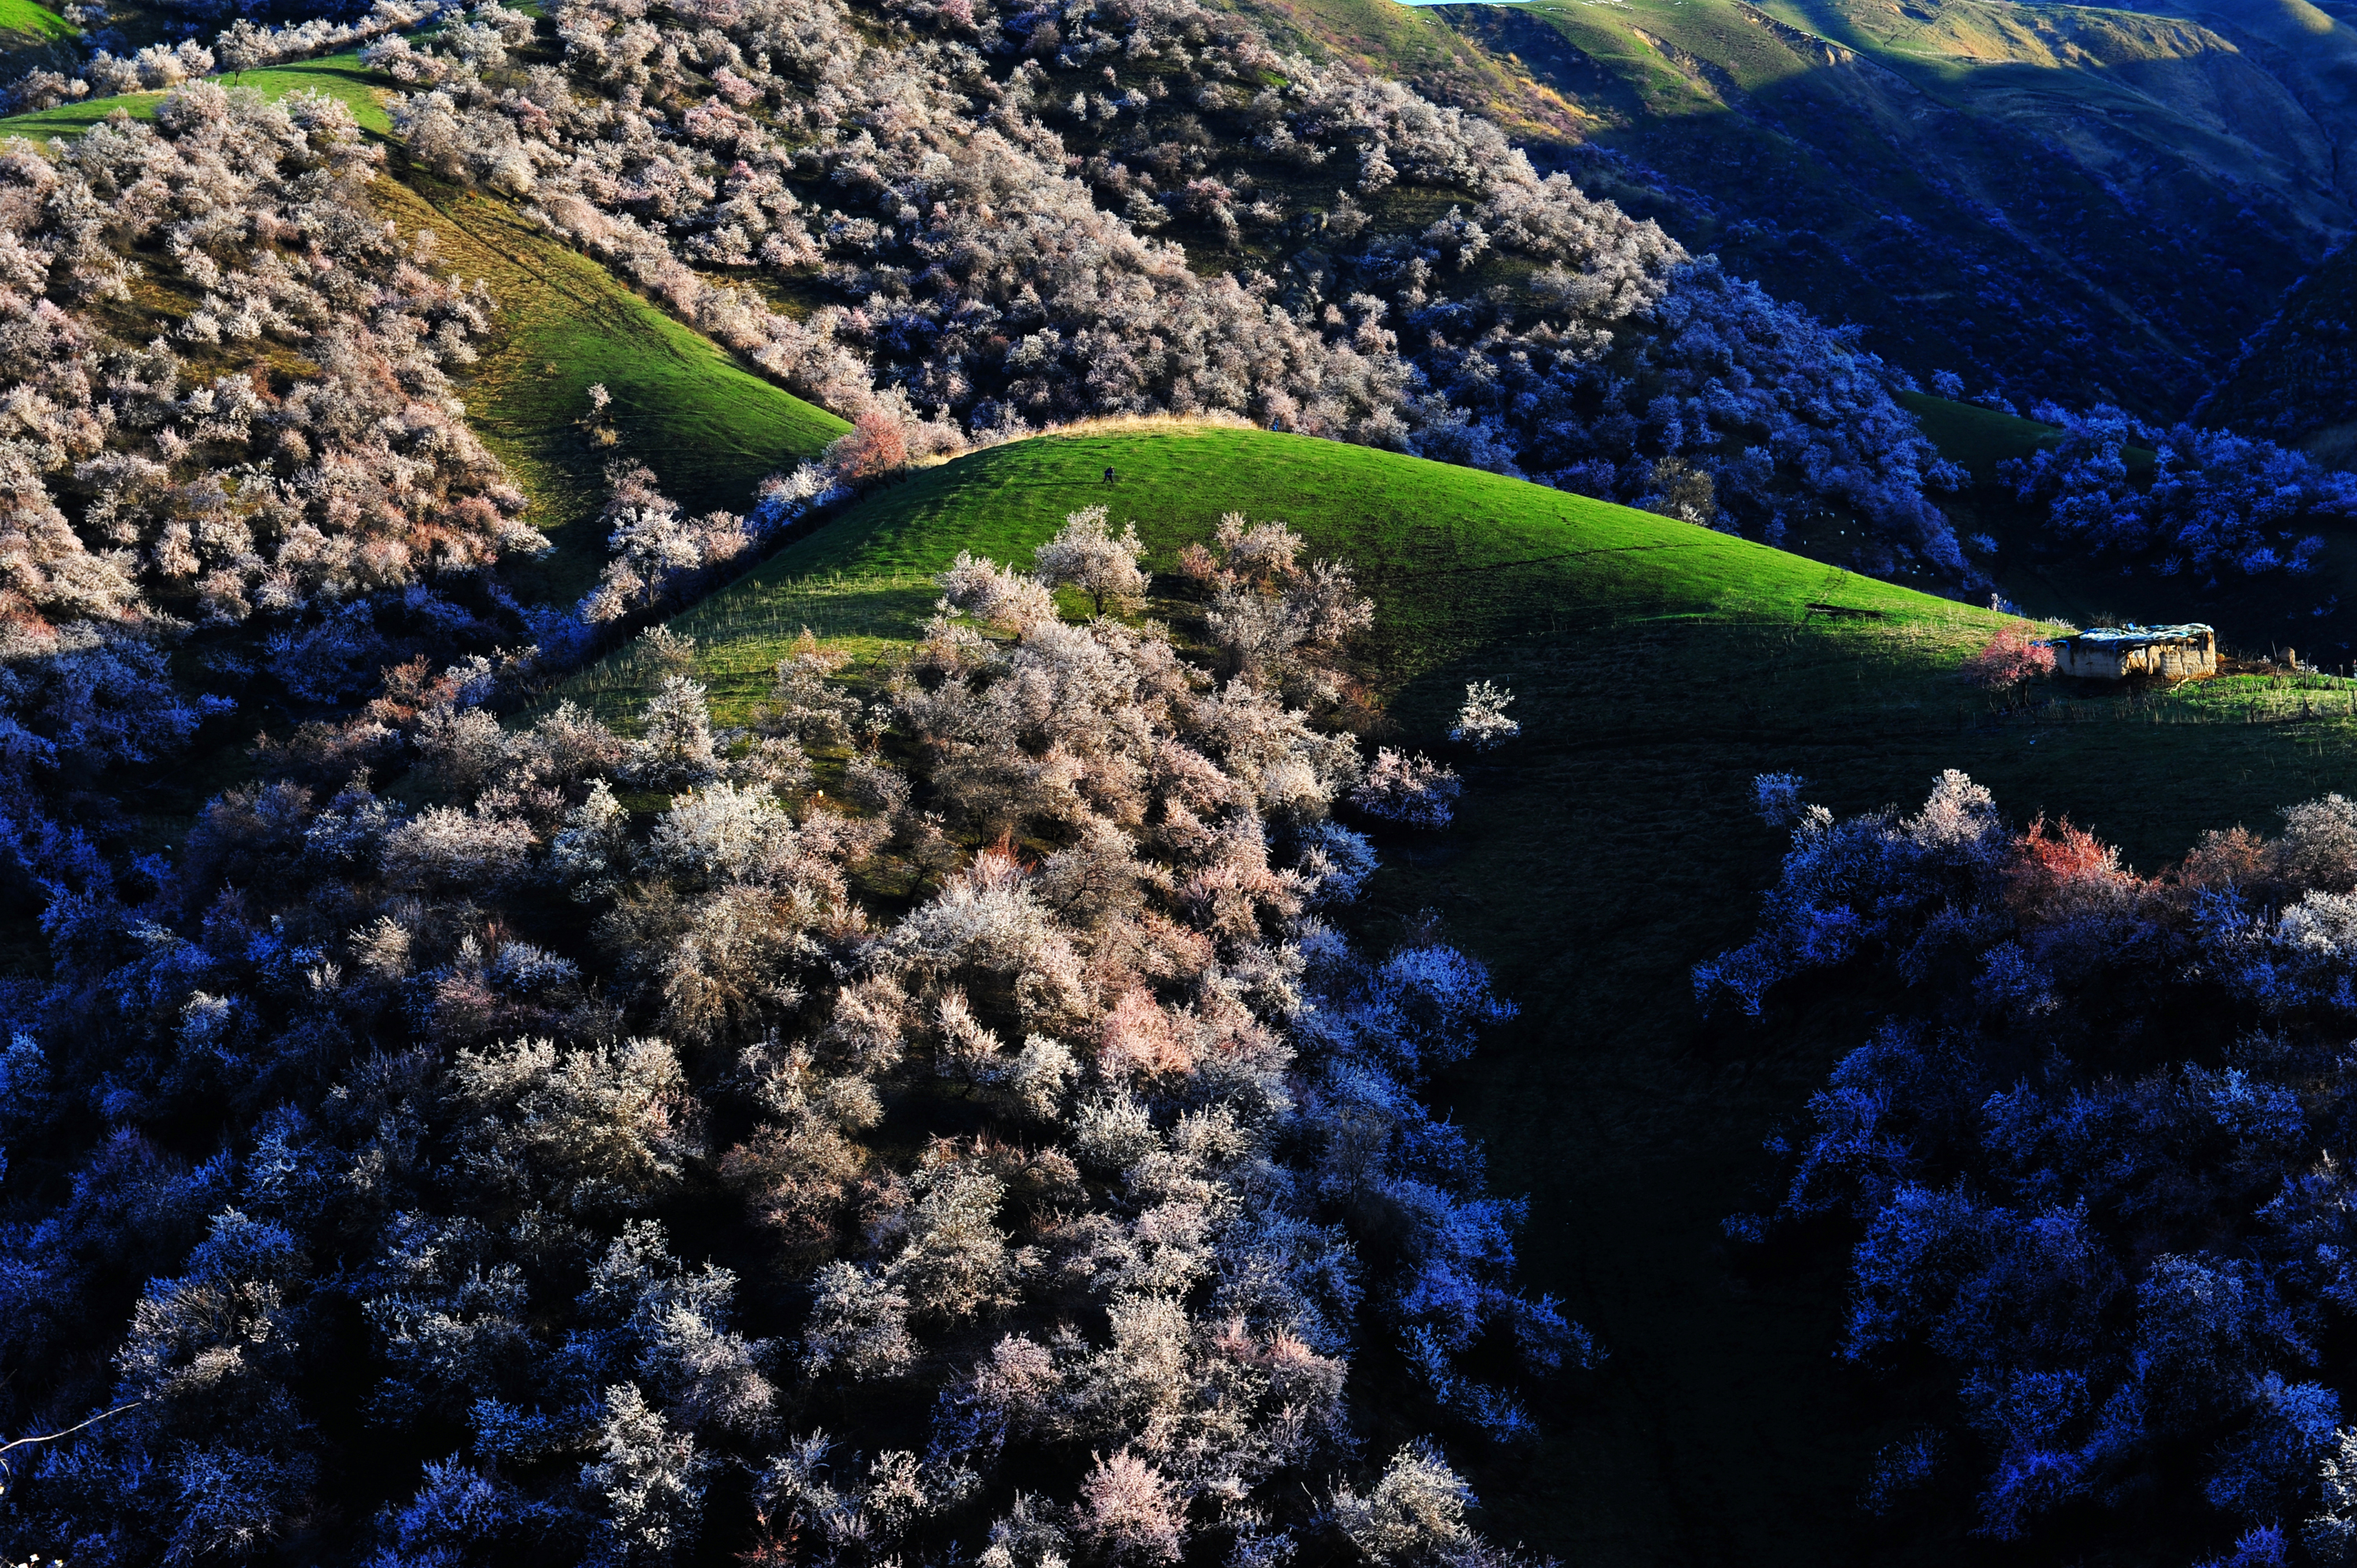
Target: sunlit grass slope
338,76
1419,46
24,26
1457,559
1657,667
711,429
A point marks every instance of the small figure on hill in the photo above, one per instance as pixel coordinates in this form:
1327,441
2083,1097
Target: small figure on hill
1109,479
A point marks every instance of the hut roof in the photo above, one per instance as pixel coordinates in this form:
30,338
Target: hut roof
2127,636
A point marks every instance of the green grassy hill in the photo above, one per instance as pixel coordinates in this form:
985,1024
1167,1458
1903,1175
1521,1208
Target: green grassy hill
1659,666
338,76
710,428
25,26
1457,559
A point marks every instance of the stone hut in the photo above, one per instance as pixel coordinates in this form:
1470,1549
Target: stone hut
2116,652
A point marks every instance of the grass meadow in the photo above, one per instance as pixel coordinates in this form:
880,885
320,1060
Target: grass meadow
338,76
710,428
24,25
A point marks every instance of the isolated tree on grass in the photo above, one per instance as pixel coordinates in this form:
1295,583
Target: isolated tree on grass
1086,554
876,447
1677,488
241,48
1481,723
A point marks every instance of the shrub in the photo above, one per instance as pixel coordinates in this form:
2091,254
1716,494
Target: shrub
1481,723
1087,556
2007,660
1415,790
877,448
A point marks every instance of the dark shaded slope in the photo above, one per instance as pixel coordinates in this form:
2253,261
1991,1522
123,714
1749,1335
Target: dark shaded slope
2068,202
2296,379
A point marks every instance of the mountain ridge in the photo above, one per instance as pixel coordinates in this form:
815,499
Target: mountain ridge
1891,166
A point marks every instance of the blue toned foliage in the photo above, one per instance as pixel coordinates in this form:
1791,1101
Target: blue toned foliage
2088,1165
2213,502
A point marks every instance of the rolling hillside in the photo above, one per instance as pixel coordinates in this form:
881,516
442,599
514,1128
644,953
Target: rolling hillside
27,28
1457,559
711,429
2081,203
338,76
1419,46
1659,666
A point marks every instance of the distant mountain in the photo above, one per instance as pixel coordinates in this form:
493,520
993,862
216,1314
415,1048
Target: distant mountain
2053,200
1419,45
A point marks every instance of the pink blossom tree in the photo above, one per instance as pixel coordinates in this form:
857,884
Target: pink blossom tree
2009,660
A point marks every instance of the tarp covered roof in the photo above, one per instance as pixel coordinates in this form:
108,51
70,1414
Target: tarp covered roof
2138,635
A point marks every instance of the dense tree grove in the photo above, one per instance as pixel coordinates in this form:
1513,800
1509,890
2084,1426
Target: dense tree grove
1065,1163
2094,1163
989,216
292,460
2294,378
2213,501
